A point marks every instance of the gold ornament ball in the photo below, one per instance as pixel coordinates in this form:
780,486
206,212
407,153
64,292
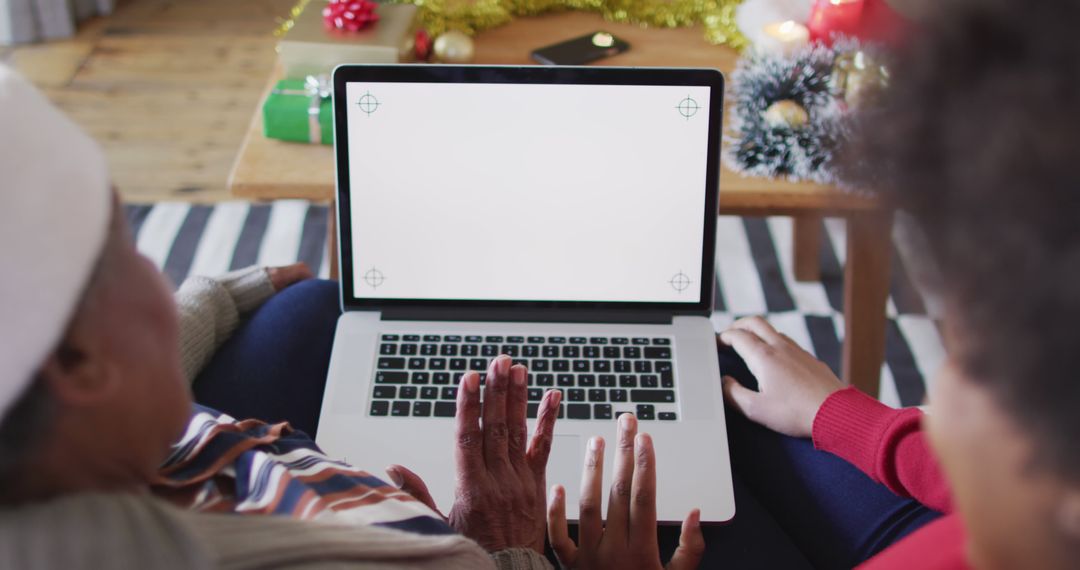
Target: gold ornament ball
453,47
786,113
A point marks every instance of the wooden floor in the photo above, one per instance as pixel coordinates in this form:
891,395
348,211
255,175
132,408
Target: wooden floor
166,86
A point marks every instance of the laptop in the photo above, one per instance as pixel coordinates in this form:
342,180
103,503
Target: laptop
565,216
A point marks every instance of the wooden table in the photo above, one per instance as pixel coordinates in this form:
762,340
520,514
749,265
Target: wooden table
267,169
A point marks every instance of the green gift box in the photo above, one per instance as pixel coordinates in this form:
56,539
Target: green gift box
300,110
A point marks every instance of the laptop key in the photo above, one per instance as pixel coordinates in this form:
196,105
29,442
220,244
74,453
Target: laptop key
477,364
578,340
657,352
530,351
667,416
623,366
539,365
411,338
385,392
417,363
612,352
445,409
421,377
536,340
646,412
448,350
469,350
661,341
408,392
650,381
581,366
620,340
641,341
545,379
388,349
535,394
436,363
391,364
452,338
607,380
458,364
591,352
586,380
667,380
429,393
390,337
515,339
421,409
510,350
532,410
602,366
566,380
627,381
597,395
489,350
380,407
432,338
560,365
409,349
448,393
557,339
598,340
571,351
631,352
602,411
657,396
474,338
550,351
493,338
617,395
384,377
578,411
575,395
400,408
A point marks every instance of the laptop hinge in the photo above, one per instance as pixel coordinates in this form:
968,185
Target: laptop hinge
524,315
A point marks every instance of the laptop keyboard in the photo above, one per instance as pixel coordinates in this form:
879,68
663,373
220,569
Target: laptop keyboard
600,377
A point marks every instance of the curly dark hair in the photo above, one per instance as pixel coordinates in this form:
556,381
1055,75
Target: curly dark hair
977,138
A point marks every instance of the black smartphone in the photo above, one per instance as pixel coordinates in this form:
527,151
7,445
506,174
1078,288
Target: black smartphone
582,50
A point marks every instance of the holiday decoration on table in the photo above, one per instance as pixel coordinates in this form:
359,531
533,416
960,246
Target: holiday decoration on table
300,110
349,15
792,111
312,42
717,17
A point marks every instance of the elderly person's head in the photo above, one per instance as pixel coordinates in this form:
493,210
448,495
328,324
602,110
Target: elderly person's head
91,390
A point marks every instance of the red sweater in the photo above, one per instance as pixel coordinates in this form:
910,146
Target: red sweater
890,446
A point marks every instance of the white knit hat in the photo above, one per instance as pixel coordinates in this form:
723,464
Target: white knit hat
55,205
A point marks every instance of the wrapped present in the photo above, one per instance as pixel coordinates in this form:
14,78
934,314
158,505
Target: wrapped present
308,47
300,110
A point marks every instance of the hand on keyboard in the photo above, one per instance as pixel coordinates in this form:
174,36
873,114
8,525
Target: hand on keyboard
500,495
628,539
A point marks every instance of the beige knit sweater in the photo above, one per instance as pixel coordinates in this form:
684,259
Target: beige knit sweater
139,531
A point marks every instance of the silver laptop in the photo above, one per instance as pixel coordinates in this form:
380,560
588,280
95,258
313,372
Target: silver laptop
565,216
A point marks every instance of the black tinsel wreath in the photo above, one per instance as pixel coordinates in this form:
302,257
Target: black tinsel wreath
801,152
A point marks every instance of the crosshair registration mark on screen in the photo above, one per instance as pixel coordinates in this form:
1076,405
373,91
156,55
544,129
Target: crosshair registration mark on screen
688,107
368,103
680,282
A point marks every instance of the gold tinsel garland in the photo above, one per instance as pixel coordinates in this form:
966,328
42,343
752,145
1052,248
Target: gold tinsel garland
472,16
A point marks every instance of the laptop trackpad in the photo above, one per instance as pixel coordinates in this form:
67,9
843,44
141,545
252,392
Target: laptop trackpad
564,468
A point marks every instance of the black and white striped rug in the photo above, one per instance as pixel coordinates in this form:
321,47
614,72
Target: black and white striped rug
754,268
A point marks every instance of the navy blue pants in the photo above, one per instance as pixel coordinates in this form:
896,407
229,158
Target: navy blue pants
796,507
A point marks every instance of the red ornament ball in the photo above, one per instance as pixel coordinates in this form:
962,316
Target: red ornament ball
422,45
349,15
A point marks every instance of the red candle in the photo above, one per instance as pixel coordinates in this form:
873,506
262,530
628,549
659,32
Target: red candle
830,17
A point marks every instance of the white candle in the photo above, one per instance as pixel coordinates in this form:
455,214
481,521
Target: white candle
784,37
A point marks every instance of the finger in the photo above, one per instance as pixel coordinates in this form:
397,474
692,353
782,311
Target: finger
746,343
412,484
691,544
643,498
496,454
738,396
540,445
618,513
517,403
469,451
590,524
282,277
760,327
558,533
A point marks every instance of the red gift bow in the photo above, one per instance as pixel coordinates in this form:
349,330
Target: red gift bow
349,15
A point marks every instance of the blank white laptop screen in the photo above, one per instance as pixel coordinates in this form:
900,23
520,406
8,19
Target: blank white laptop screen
527,192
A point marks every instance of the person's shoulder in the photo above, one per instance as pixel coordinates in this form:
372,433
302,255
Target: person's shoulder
940,545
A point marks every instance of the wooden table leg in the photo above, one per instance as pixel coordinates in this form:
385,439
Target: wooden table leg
807,246
866,290
331,240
